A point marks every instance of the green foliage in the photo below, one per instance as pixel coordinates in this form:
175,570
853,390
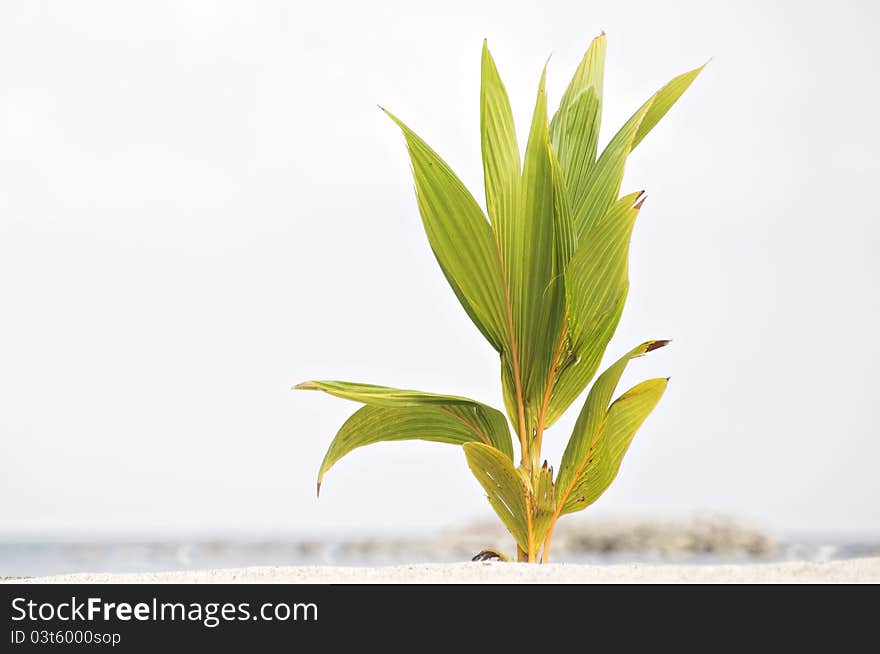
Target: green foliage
594,425
544,277
506,487
392,414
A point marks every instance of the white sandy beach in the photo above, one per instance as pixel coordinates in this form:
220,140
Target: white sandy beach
865,570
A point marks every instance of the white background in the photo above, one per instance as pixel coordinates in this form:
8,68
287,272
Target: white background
201,205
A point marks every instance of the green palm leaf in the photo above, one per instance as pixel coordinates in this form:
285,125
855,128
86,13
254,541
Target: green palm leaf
574,129
501,160
602,184
623,419
461,239
588,429
502,173
596,285
380,395
563,228
393,414
663,101
536,288
593,187
506,490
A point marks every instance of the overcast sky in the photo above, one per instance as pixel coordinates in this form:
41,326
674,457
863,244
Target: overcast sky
201,205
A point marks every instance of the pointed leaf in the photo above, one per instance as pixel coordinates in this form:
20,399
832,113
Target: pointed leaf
380,395
590,74
663,101
394,414
588,427
501,161
603,182
536,294
623,419
454,424
596,285
575,126
460,238
502,173
565,243
504,488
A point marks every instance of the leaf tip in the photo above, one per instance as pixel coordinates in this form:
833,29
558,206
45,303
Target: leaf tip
396,121
640,200
320,480
304,386
543,83
656,345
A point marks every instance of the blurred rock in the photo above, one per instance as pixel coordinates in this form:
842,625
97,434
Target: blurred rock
704,536
701,536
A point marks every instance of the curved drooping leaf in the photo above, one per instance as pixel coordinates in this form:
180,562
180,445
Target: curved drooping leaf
623,419
393,414
574,129
588,428
381,395
460,238
453,424
596,285
505,488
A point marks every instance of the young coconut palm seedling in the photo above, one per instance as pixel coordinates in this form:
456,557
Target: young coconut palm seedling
544,279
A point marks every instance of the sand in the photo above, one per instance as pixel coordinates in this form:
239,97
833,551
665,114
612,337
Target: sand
866,570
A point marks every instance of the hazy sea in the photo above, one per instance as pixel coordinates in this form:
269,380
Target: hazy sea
51,558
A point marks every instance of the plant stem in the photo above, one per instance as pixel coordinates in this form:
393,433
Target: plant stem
531,447
517,378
